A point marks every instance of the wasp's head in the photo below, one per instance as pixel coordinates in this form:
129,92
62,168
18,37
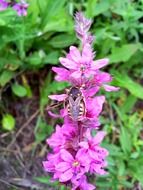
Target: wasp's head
74,92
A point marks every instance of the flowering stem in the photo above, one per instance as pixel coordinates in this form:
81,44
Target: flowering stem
75,150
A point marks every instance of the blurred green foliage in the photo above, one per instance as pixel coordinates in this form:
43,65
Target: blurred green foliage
37,40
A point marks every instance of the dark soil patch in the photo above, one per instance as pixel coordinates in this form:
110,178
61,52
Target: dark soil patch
20,157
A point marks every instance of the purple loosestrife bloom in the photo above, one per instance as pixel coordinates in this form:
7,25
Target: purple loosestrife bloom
21,8
96,154
82,184
75,151
80,68
71,167
3,5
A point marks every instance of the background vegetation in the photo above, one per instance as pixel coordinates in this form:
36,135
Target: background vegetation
31,45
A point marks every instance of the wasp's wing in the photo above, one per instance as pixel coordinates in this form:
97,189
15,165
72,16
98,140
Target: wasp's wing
74,108
78,101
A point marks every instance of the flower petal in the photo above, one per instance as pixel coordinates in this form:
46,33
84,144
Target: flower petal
87,54
63,166
59,98
68,63
75,54
48,166
103,77
109,88
94,106
62,73
84,145
76,74
66,176
99,137
99,63
66,156
91,91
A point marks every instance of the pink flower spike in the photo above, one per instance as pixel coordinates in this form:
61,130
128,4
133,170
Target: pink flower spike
109,88
76,145
82,22
59,98
81,27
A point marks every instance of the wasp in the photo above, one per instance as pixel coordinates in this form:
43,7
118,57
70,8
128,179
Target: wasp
74,104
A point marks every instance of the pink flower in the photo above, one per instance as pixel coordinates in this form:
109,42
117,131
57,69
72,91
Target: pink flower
64,137
95,153
3,5
82,184
81,65
110,88
21,8
62,73
92,144
70,167
94,106
50,164
57,140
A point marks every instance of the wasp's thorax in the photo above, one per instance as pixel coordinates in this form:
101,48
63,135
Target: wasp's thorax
74,92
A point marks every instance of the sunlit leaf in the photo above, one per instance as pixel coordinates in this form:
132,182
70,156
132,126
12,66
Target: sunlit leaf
19,90
8,122
124,53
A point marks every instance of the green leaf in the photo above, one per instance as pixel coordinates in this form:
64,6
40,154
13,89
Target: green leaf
123,53
35,59
19,90
52,7
95,7
125,140
6,17
5,77
8,122
46,180
51,58
42,130
136,168
129,104
122,80
62,40
59,22
43,179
